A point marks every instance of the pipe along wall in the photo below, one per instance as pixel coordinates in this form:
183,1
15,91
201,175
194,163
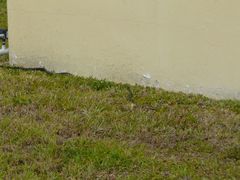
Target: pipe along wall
3,37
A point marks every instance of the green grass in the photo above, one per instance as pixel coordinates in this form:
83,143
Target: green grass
3,14
60,126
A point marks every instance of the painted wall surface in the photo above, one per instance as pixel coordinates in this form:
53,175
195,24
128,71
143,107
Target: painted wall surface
187,45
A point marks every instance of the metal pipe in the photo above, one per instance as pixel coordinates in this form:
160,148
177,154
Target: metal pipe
4,50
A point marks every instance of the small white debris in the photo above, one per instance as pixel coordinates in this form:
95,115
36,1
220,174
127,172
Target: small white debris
40,64
147,76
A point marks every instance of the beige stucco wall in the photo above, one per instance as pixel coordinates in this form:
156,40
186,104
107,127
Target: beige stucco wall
180,45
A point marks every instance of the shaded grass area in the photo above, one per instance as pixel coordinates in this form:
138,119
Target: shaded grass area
3,14
60,126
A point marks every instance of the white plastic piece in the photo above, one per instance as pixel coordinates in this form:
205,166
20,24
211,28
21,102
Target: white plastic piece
4,50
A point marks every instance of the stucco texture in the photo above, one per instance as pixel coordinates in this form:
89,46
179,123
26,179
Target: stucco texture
187,45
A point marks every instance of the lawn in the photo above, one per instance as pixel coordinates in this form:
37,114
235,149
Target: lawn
65,127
